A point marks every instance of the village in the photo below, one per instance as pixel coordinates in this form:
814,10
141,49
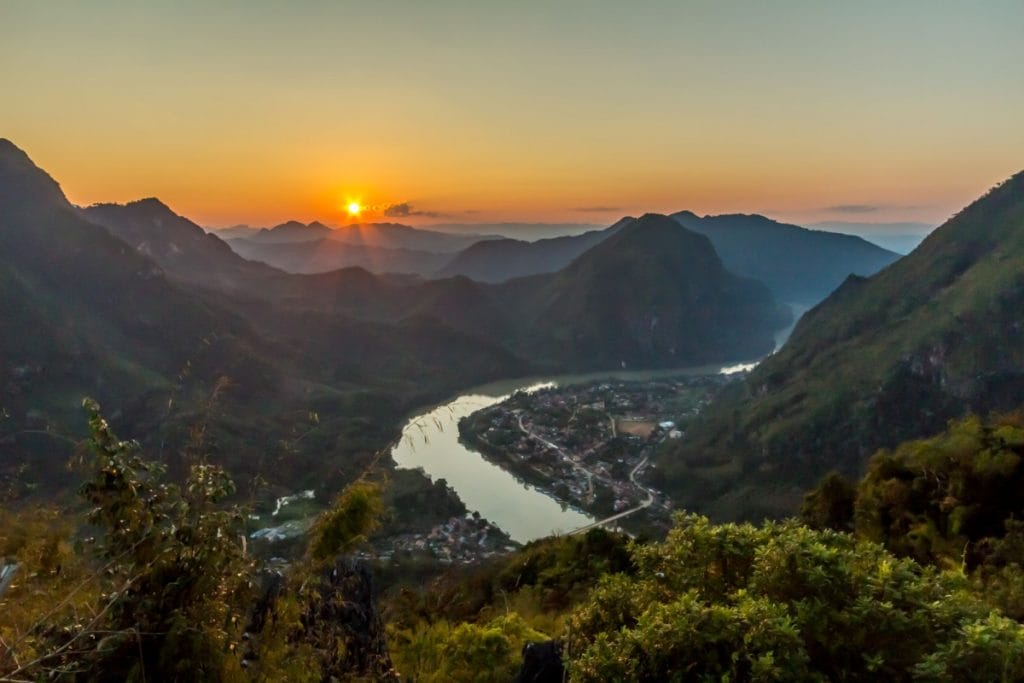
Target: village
591,446
461,540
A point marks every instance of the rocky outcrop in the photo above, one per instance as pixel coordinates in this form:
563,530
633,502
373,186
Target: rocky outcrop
343,610
339,621
542,663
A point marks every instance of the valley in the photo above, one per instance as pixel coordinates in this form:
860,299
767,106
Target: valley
296,384
529,342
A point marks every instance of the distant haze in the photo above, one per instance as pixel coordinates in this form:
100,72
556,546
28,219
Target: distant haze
899,237
522,231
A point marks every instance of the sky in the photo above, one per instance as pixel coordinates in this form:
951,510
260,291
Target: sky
560,111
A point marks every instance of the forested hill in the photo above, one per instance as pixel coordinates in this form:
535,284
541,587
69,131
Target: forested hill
883,359
84,313
654,294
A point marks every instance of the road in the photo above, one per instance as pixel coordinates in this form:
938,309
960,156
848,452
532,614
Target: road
625,513
590,482
563,455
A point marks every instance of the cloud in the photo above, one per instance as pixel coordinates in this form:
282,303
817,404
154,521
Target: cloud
598,209
405,209
854,208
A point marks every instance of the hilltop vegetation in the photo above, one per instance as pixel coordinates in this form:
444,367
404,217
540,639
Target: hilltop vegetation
925,586
155,582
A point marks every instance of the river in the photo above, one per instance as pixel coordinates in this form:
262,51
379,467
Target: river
430,441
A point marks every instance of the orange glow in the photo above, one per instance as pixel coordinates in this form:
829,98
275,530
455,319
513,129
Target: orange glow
853,120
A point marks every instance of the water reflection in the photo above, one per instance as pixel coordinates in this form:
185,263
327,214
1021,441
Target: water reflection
430,441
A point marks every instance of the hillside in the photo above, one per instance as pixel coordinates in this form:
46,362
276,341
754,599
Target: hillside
883,359
160,322
799,265
653,295
504,259
398,236
183,249
84,313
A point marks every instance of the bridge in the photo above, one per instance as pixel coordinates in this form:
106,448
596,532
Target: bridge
625,513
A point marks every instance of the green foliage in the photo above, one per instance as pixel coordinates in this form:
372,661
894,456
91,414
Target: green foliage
178,564
492,610
830,505
167,588
470,653
778,602
945,500
545,577
351,518
991,649
51,580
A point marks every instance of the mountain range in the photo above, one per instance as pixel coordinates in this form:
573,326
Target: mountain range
170,329
800,266
183,249
883,359
901,237
166,326
140,307
505,259
652,293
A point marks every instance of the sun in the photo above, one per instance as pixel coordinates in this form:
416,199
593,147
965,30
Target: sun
354,209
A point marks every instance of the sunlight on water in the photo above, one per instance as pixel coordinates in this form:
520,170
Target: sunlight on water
431,441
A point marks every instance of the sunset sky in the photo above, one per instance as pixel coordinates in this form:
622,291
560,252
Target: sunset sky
574,111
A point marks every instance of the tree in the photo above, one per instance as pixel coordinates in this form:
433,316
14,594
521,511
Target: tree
830,505
172,574
164,589
941,500
778,602
467,653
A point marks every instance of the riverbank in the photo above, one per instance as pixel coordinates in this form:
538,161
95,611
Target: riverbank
586,444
